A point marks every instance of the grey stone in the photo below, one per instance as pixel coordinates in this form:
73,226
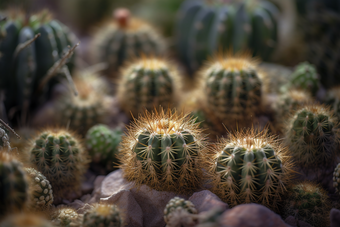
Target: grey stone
335,217
206,200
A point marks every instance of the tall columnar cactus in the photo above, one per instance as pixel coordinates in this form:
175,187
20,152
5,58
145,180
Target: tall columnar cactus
147,84
103,215
307,202
333,100
249,167
41,189
25,220
64,216
305,77
204,26
163,151
312,136
14,192
102,143
177,204
126,38
60,157
233,88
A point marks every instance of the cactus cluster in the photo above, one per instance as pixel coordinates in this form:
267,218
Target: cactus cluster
163,150
249,167
177,204
102,143
60,157
305,78
25,220
103,215
312,136
65,216
126,38
148,83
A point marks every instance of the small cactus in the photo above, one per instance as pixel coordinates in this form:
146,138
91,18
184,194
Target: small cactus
305,77
177,204
307,202
103,215
163,151
102,143
333,100
25,220
64,216
147,84
14,189
312,136
42,194
60,157
249,167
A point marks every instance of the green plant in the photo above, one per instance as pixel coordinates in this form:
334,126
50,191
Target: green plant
163,151
14,194
249,167
177,204
102,143
305,77
25,220
307,202
64,216
147,84
60,157
333,100
124,39
103,215
205,26
312,136
41,195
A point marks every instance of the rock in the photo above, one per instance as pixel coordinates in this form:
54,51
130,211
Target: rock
251,215
113,183
87,185
97,188
335,217
206,200
296,223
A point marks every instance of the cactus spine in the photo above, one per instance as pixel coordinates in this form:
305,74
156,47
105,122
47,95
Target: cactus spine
59,156
103,215
177,204
163,151
249,167
305,77
65,216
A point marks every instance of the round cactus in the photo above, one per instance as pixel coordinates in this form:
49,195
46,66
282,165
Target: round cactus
41,188
65,216
60,157
124,39
233,88
177,204
312,136
103,215
249,167
305,77
163,151
307,202
14,184
25,220
333,100
102,143
147,83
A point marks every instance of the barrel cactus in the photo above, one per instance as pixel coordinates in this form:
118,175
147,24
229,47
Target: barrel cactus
233,88
25,62
177,204
25,220
312,136
64,216
249,167
41,189
103,215
14,190
204,26
305,77
333,100
163,150
147,84
60,157
102,143
126,38
307,202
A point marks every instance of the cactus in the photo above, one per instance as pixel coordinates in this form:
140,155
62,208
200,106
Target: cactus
64,216
60,157
103,215
250,167
163,150
148,83
305,77
102,143
41,188
177,204
124,39
25,220
204,26
14,193
307,202
233,89
4,140
312,136
333,100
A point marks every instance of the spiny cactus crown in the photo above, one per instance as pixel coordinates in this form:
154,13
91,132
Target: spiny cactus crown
103,215
65,216
305,77
178,204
